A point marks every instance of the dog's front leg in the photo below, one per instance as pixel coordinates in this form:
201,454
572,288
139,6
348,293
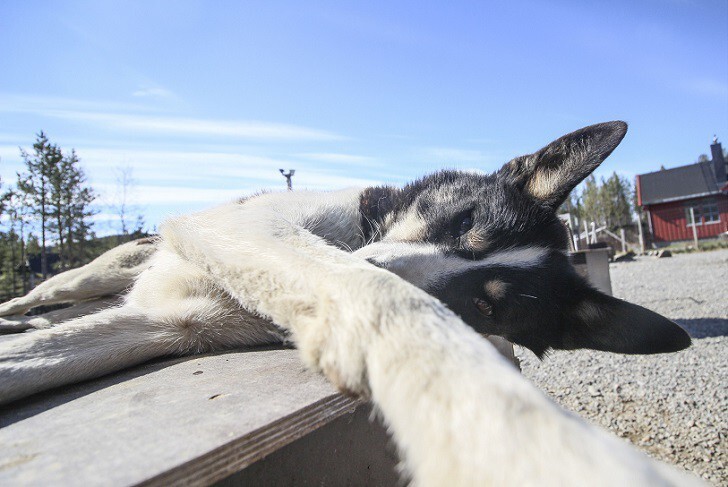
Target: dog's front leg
264,255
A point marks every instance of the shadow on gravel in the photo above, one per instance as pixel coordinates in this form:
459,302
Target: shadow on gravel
705,327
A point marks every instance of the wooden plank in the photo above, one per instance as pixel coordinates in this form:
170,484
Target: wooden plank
248,449
351,450
191,420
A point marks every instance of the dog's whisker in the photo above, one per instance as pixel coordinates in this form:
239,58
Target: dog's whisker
342,244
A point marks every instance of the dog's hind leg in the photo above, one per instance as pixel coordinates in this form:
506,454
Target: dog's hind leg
84,348
111,273
17,324
173,309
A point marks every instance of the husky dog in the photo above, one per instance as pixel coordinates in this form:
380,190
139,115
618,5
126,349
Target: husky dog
376,288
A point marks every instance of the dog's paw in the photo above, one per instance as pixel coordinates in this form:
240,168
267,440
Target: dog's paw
356,313
346,315
14,307
326,347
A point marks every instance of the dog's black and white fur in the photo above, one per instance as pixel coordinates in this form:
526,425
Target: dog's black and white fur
334,273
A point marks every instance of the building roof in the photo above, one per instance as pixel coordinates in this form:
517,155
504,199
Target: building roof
679,183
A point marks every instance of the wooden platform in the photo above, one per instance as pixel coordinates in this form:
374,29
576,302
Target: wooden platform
244,417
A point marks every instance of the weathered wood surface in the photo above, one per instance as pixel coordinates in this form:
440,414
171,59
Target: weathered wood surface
192,420
593,265
351,450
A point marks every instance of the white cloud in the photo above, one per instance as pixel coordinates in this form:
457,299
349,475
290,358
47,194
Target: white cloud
316,180
201,169
10,161
709,87
153,93
210,194
253,130
194,126
178,195
450,155
105,217
37,104
179,165
10,138
111,116
348,159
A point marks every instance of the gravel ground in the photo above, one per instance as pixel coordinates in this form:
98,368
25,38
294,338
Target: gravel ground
673,406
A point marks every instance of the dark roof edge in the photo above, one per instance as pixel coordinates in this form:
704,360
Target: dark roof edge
680,198
673,168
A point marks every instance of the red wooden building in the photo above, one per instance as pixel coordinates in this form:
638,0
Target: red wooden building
673,197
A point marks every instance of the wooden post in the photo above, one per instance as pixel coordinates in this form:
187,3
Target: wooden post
695,227
586,232
624,241
573,235
594,232
570,231
642,237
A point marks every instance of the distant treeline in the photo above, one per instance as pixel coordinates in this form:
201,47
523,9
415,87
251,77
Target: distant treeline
47,224
609,202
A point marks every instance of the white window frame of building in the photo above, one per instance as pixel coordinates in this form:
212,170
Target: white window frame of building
697,207
706,213
710,212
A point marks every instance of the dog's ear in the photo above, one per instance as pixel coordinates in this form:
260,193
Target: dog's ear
550,174
602,322
375,204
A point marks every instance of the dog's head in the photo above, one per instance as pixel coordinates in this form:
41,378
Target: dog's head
535,298
474,215
493,249
531,296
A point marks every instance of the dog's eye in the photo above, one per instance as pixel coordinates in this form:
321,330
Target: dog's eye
463,223
485,308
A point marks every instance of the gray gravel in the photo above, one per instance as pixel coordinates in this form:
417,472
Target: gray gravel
673,406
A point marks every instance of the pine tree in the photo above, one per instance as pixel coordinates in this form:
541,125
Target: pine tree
617,207
32,249
71,200
55,188
592,201
16,210
19,214
77,211
80,226
58,201
36,184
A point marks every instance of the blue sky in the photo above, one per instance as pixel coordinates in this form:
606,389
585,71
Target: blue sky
206,100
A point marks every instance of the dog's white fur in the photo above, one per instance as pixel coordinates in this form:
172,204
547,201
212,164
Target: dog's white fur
297,266
460,414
